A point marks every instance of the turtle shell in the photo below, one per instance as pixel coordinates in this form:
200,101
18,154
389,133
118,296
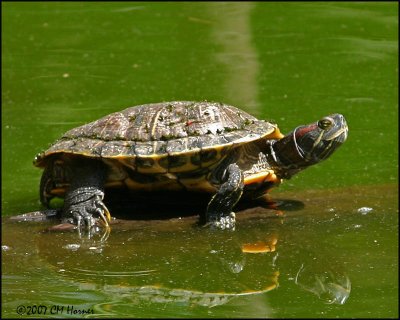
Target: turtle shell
161,146
179,136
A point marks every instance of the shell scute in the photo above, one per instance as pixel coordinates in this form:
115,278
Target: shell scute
117,148
176,146
144,148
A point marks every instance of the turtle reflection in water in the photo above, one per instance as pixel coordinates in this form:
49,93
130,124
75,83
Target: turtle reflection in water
169,263
178,266
181,145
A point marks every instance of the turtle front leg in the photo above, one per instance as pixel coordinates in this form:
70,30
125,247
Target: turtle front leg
219,211
82,204
84,198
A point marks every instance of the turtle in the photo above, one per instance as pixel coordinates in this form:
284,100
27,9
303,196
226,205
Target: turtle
199,147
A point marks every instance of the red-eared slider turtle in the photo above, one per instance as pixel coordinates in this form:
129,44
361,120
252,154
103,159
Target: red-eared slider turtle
181,145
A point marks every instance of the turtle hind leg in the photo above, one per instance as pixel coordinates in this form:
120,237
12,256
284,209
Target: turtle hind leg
47,184
54,182
219,211
84,198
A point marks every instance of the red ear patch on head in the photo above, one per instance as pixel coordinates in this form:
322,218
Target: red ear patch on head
303,130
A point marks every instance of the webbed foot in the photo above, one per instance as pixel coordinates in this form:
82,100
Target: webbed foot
84,207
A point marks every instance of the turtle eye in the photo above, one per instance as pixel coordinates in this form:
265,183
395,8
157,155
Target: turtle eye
325,123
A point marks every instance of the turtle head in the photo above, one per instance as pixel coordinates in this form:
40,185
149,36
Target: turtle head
310,144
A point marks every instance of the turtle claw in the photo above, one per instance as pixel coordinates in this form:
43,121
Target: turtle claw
88,226
94,233
85,209
82,221
104,214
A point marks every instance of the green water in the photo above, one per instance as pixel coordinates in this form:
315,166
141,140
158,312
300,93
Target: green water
64,64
